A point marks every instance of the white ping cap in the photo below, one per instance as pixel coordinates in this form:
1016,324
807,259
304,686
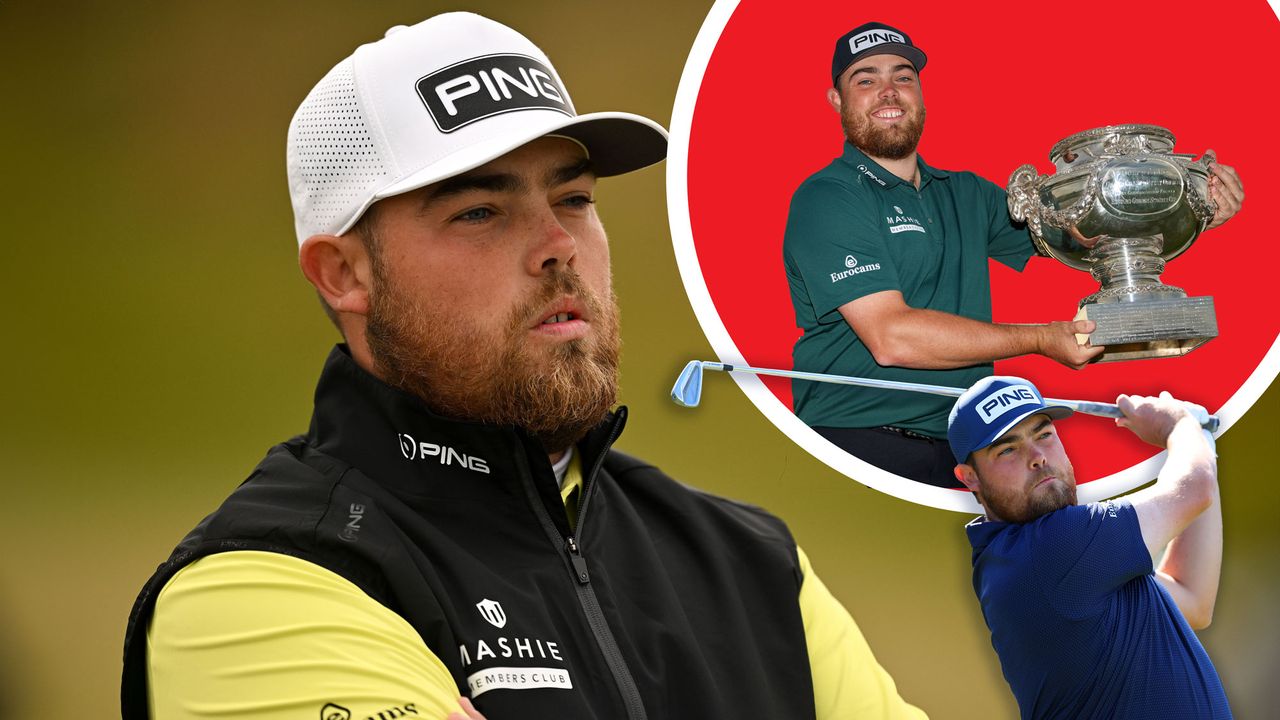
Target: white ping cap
431,101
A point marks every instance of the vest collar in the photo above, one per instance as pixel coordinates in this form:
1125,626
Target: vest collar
393,437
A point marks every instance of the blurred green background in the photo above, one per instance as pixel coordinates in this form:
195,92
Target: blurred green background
160,338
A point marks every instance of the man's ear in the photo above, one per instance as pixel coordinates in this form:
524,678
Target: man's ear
833,99
339,268
968,477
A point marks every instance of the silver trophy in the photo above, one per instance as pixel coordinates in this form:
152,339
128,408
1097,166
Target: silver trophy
1120,205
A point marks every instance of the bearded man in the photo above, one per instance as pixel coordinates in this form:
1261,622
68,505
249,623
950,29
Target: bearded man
1091,607
886,258
455,521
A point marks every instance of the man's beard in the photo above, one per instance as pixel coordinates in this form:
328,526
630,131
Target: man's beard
1027,505
463,373
892,143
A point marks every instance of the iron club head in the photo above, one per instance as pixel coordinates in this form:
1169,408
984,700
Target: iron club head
687,392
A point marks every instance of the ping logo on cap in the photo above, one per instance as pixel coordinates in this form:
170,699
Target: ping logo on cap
1005,399
490,85
871,38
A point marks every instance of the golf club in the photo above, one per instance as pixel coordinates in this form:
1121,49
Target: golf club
687,391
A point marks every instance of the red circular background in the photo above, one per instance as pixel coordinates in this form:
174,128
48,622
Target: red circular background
1002,85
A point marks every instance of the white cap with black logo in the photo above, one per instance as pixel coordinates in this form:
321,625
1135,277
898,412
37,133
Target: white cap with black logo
433,100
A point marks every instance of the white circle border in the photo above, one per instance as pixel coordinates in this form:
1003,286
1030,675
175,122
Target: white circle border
727,352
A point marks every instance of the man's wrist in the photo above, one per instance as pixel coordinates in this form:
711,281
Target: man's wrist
1185,429
1037,339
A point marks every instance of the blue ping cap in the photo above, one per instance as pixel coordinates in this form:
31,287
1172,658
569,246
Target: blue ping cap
873,38
990,408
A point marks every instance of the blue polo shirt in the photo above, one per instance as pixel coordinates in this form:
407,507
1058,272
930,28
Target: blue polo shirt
1082,628
855,229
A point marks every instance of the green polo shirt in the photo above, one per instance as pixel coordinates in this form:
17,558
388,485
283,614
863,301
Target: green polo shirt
854,229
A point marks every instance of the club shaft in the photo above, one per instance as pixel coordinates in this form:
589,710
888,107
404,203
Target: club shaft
1086,407
838,379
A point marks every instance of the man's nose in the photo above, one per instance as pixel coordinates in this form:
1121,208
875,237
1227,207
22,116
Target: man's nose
550,244
1038,458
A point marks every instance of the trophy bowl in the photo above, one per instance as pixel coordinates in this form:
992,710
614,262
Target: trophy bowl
1119,205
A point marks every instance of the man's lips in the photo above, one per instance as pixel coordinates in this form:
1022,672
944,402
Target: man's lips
564,309
888,113
564,319
1043,480
559,318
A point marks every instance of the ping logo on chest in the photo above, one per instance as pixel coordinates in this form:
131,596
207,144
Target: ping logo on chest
1005,400
443,454
865,171
490,85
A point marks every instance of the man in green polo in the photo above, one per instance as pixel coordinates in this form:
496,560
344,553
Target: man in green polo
887,262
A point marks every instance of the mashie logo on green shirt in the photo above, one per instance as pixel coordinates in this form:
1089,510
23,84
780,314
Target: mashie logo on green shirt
902,223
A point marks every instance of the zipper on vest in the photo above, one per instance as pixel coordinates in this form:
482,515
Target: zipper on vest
577,566
604,636
588,482
575,559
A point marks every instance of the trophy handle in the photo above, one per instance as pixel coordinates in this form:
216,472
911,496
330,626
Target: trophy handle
1023,204
1202,204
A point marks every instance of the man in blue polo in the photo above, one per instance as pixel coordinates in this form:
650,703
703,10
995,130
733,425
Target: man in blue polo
1091,607
887,259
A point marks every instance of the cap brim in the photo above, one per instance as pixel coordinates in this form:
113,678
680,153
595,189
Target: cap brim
912,54
616,142
1055,412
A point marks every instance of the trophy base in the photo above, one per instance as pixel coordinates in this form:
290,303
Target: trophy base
1151,329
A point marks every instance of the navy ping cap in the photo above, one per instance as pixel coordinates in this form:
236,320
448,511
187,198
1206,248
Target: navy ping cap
873,38
990,409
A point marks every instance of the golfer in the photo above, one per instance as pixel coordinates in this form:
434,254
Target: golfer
454,533
1092,607
887,259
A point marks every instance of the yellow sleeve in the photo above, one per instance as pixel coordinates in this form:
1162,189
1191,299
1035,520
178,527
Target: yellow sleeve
251,634
847,680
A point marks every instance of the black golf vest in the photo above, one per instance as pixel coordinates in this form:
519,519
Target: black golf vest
662,602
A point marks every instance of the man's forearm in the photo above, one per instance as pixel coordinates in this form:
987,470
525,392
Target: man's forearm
1192,562
1192,565
901,336
933,340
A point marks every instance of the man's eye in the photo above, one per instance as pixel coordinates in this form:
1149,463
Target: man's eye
577,202
1004,451
479,214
